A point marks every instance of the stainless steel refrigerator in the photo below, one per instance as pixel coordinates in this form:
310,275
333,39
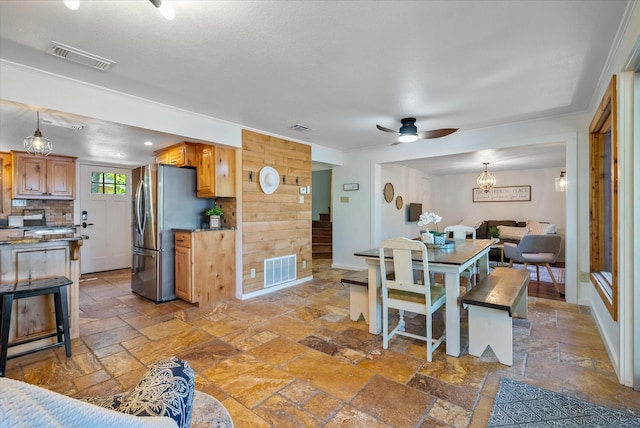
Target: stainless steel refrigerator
165,199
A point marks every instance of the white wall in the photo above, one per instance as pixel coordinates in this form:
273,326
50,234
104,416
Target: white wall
413,186
618,335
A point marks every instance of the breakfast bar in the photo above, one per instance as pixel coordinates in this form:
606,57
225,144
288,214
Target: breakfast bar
34,257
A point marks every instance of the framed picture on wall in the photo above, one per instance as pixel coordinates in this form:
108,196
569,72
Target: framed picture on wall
502,194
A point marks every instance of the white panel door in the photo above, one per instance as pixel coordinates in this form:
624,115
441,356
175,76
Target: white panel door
107,223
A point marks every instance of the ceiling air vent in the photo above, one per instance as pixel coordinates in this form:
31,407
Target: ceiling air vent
60,124
81,57
301,128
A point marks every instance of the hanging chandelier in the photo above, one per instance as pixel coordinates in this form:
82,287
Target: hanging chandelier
36,144
486,180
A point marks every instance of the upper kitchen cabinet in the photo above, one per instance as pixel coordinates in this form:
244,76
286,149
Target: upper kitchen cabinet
51,177
182,154
216,171
5,185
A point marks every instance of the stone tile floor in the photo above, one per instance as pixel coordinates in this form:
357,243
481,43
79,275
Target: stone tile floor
293,358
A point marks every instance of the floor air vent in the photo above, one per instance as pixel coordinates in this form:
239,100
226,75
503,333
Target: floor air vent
279,270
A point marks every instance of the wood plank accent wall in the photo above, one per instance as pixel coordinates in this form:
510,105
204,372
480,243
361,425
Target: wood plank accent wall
278,224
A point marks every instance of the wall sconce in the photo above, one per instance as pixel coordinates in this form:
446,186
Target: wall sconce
486,180
561,182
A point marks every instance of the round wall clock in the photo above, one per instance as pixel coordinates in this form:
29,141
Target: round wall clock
399,202
388,192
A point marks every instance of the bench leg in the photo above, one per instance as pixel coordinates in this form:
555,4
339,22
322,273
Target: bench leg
490,327
358,302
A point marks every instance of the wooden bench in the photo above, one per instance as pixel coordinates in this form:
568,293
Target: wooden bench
358,283
10,292
492,303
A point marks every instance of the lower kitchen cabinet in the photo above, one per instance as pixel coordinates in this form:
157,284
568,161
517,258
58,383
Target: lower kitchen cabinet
205,265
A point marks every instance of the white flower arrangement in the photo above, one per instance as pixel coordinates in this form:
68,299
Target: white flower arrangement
428,218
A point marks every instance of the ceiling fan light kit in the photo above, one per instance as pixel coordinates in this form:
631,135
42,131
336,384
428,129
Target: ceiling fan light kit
486,180
36,144
165,9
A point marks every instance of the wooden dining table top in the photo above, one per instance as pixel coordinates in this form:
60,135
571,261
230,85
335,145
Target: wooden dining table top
463,250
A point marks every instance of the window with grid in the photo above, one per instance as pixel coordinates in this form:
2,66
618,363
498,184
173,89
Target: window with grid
109,183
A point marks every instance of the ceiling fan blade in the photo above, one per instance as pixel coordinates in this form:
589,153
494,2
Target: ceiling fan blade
382,128
436,133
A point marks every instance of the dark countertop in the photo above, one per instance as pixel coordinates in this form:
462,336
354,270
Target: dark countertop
205,229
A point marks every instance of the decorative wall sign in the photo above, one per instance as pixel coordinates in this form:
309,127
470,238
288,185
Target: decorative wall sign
350,186
399,202
388,192
502,194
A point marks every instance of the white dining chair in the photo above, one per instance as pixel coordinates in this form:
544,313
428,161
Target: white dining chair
460,231
403,293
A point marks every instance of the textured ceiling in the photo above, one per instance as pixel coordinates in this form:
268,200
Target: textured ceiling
337,67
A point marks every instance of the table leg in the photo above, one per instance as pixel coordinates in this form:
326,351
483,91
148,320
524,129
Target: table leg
483,266
375,305
452,285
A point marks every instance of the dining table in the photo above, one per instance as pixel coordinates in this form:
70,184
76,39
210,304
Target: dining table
448,260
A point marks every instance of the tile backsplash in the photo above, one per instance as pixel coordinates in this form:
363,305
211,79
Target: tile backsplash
54,211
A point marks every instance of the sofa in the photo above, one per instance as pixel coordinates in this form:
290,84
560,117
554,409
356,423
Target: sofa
512,231
164,397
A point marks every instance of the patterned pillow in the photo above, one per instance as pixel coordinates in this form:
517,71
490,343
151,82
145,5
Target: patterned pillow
165,390
510,232
536,228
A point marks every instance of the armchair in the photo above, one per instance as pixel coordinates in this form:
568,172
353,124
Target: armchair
537,250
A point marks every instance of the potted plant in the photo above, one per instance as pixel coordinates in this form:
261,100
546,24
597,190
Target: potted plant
494,232
214,216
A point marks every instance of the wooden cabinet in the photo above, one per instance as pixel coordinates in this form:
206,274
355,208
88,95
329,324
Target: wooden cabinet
216,171
182,154
51,177
184,267
205,265
33,316
5,185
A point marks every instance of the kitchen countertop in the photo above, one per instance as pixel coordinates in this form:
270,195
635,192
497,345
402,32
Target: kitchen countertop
205,229
44,238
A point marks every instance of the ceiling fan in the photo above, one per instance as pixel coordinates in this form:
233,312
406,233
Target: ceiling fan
408,132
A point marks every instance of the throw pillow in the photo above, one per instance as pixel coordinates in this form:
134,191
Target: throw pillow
511,232
165,390
536,228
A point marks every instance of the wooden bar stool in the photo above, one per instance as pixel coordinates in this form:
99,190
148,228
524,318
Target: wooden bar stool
10,292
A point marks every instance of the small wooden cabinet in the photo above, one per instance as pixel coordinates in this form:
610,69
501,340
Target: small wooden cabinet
5,185
184,267
51,177
205,265
216,171
182,154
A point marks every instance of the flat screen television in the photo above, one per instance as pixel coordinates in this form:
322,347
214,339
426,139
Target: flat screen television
414,211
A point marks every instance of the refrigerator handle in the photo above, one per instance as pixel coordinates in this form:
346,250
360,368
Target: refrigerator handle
142,253
140,216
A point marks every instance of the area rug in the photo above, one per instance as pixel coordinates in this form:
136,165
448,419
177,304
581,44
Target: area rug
521,405
209,412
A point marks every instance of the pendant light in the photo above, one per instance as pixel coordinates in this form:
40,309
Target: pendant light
36,144
561,182
486,180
